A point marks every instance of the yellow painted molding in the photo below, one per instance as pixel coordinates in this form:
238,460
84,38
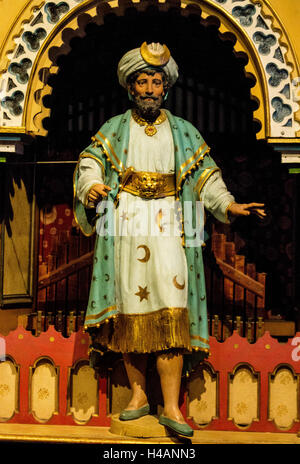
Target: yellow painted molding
285,41
89,434
23,15
283,140
12,130
253,67
34,111
279,26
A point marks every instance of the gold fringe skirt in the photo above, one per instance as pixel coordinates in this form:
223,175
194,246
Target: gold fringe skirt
145,333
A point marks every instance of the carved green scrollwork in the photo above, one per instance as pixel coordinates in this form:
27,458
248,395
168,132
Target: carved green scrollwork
265,42
277,75
33,39
244,14
55,11
12,103
20,70
281,110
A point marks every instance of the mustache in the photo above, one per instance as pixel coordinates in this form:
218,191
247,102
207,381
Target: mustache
147,97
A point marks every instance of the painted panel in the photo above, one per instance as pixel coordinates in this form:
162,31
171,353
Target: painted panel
18,235
84,398
8,390
283,398
44,391
203,397
243,397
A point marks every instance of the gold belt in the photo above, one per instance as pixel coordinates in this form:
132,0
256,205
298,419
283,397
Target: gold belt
150,184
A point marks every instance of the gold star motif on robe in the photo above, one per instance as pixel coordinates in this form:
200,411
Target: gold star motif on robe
142,293
124,216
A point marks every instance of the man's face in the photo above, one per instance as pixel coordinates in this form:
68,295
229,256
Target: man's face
148,93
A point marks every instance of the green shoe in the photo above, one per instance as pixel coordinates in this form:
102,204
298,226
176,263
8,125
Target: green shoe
131,414
181,429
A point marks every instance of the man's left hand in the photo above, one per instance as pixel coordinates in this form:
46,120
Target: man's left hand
245,209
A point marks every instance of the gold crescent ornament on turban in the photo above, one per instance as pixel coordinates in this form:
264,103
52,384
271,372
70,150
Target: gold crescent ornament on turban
155,54
152,55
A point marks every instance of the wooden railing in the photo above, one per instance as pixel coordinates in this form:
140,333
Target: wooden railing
236,291
63,284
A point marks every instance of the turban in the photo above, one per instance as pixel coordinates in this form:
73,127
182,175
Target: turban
155,55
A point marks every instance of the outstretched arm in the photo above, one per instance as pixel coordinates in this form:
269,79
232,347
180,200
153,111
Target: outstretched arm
245,209
216,197
219,201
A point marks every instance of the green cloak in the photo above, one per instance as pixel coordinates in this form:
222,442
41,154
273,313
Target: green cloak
193,167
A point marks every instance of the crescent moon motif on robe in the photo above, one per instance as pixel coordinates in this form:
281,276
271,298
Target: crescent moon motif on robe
177,285
147,254
106,277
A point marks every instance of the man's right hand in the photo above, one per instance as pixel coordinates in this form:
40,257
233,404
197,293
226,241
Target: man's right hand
98,191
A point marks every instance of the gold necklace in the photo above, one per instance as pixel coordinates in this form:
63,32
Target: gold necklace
150,128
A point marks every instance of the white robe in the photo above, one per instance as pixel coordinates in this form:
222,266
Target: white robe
150,263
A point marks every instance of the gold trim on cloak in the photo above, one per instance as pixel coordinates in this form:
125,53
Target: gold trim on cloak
103,139
201,339
74,208
96,316
85,154
81,156
204,178
195,161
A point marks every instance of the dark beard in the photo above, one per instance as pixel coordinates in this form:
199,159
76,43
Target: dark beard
148,110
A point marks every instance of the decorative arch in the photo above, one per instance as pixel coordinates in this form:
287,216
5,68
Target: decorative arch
251,24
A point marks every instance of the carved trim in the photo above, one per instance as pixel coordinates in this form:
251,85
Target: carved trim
254,25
